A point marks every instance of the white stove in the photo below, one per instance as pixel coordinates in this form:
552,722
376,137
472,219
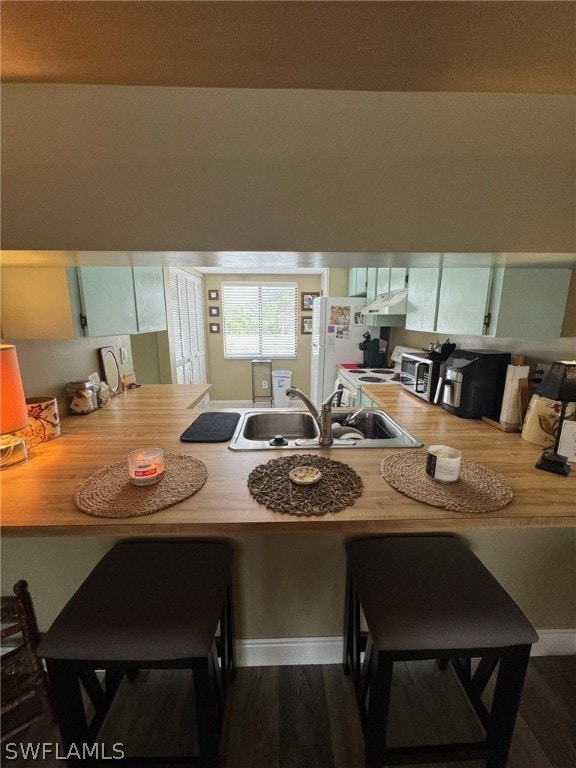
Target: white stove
355,377
352,379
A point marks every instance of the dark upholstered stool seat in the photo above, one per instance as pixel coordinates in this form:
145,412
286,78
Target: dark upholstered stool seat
429,597
148,604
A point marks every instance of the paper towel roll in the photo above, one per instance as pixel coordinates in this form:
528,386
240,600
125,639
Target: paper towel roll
510,412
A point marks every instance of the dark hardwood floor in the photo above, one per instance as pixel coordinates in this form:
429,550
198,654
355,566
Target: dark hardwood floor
305,717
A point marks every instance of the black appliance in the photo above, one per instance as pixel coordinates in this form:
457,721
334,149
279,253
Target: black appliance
472,383
373,355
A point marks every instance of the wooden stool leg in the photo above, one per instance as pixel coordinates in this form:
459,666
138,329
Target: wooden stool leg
351,658
227,640
206,714
67,702
507,694
375,731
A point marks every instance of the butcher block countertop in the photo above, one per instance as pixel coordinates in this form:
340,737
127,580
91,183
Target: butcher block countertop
37,495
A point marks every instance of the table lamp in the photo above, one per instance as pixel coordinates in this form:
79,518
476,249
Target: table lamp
13,410
558,384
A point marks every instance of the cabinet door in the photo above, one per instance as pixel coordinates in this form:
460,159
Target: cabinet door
366,401
423,289
372,283
397,278
108,303
357,280
464,300
149,295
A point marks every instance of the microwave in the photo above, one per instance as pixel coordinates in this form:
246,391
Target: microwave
419,375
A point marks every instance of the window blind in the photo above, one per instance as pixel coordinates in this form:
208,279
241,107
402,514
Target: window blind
260,319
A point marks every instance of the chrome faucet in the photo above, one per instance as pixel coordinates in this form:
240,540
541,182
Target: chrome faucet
321,415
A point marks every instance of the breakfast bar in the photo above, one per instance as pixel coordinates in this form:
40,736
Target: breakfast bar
289,567
37,495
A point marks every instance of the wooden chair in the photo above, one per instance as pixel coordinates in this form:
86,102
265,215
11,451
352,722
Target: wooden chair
148,604
24,691
429,597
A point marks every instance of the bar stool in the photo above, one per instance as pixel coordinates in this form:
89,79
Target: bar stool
429,597
148,604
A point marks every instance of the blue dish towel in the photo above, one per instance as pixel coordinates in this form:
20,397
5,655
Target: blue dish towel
211,428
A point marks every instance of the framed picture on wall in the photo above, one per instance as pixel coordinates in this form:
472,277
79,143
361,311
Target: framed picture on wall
213,295
305,325
214,327
308,300
214,311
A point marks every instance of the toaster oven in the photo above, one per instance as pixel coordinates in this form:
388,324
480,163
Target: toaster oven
419,375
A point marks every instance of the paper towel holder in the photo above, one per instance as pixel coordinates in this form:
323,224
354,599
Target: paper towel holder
503,426
558,384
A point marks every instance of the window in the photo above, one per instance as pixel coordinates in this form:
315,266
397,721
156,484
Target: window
259,319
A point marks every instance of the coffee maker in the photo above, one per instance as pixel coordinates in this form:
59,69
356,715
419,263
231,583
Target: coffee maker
373,351
471,383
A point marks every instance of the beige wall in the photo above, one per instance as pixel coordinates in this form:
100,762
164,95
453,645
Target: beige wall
46,365
292,585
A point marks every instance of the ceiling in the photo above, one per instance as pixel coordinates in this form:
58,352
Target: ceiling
505,47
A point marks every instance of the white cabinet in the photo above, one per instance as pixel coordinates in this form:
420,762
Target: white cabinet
69,302
509,302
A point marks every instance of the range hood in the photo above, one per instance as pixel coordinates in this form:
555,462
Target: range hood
386,305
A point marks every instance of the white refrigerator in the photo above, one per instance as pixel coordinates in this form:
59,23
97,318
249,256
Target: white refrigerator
337,328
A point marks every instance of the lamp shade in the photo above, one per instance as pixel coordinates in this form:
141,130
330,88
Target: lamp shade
560,382
13,410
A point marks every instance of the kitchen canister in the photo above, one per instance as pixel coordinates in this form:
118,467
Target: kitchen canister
541,421
82,396
43,420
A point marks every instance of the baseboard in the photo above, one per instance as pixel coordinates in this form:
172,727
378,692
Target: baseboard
555,642
274,652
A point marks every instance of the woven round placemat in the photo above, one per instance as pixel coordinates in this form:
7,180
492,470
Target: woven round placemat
109,492
478,489
338,487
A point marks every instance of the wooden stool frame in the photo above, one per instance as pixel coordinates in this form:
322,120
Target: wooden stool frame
372,680
211,676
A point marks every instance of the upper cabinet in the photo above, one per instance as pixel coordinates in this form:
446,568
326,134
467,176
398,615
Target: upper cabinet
506,302
357,281
380,280
68,302
423,292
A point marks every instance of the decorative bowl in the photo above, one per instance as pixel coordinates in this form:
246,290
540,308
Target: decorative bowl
305,475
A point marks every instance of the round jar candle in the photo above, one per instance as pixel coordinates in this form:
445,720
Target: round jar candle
146,466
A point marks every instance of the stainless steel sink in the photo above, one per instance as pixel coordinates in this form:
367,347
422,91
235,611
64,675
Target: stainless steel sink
274,429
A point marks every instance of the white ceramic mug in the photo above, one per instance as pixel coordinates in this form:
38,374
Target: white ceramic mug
443,463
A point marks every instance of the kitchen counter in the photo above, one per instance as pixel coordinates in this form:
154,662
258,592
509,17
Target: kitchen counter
37,495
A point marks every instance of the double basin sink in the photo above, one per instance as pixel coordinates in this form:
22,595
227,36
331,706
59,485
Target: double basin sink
275,429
